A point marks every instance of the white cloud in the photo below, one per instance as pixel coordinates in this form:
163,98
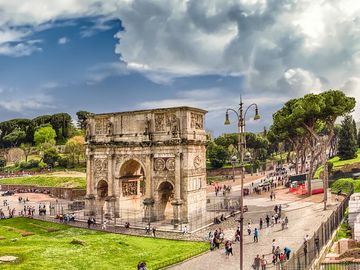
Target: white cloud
20,19
284,47
35,102
102,71
63,40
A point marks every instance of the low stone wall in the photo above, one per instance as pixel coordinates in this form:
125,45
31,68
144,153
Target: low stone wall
62,193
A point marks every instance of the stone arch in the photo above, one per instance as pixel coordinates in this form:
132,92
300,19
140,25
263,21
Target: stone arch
165,193
132,176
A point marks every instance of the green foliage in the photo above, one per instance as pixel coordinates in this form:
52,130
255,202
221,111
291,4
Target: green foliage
61,123
14,137
217,154
49,248
344,185
29,165
345,230
358,138
347,139
51,156
337,163
82,117
65,162
2,163
74,149
45,134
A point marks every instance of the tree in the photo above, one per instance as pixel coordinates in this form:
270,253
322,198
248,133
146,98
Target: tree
51,156
45,134
358,138
82,116
14,137
347,140
217,154
74,148
314,116
27,148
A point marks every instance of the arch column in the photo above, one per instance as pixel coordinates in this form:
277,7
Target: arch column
149,200
110,200
177,202
90,185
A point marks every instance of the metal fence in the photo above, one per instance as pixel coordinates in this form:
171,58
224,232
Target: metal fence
306,255
342,266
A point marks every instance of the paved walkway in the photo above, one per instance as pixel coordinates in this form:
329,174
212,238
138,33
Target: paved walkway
304,218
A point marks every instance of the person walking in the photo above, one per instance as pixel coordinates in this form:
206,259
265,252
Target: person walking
286,222
256,264
89,222
154,231
267,221
282,260
287,252
317,243
249,228
263,263
273,246
277,252
261,223
256,235
103,227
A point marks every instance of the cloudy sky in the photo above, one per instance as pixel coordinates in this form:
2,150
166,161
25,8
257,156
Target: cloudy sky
116,55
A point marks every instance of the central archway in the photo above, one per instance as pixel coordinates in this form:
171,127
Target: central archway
132,176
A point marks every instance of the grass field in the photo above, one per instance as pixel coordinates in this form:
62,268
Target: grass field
337,163
47,181
50,247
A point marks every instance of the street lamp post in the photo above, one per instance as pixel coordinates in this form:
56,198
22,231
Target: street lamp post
241,145
233,162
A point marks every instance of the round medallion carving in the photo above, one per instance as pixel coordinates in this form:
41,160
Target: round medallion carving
170,164
197,162
159,164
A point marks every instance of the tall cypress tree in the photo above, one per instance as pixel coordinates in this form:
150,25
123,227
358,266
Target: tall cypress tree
347,139
358,138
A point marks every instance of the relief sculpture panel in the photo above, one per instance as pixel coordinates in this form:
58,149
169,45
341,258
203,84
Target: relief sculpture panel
102,126
101,168
129,188
197,121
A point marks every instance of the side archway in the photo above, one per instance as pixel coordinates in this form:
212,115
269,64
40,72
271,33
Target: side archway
165,192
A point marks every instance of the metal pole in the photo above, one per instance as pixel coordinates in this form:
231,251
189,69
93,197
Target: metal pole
241,144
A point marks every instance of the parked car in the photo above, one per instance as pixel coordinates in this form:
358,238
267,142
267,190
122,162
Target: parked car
8,193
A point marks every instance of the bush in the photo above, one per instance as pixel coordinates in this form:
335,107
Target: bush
2,163
51,156
64,162
31,164
42,165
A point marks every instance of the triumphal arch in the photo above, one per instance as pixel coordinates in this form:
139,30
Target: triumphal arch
150,162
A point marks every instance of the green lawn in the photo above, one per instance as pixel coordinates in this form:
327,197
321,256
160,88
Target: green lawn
47,181
50,247
337,163
345,184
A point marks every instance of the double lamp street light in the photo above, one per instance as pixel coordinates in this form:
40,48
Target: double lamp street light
241,116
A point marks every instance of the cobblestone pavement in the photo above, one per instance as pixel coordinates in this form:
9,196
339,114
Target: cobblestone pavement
304,218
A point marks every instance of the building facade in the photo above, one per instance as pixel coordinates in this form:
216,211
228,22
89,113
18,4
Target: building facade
149,163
